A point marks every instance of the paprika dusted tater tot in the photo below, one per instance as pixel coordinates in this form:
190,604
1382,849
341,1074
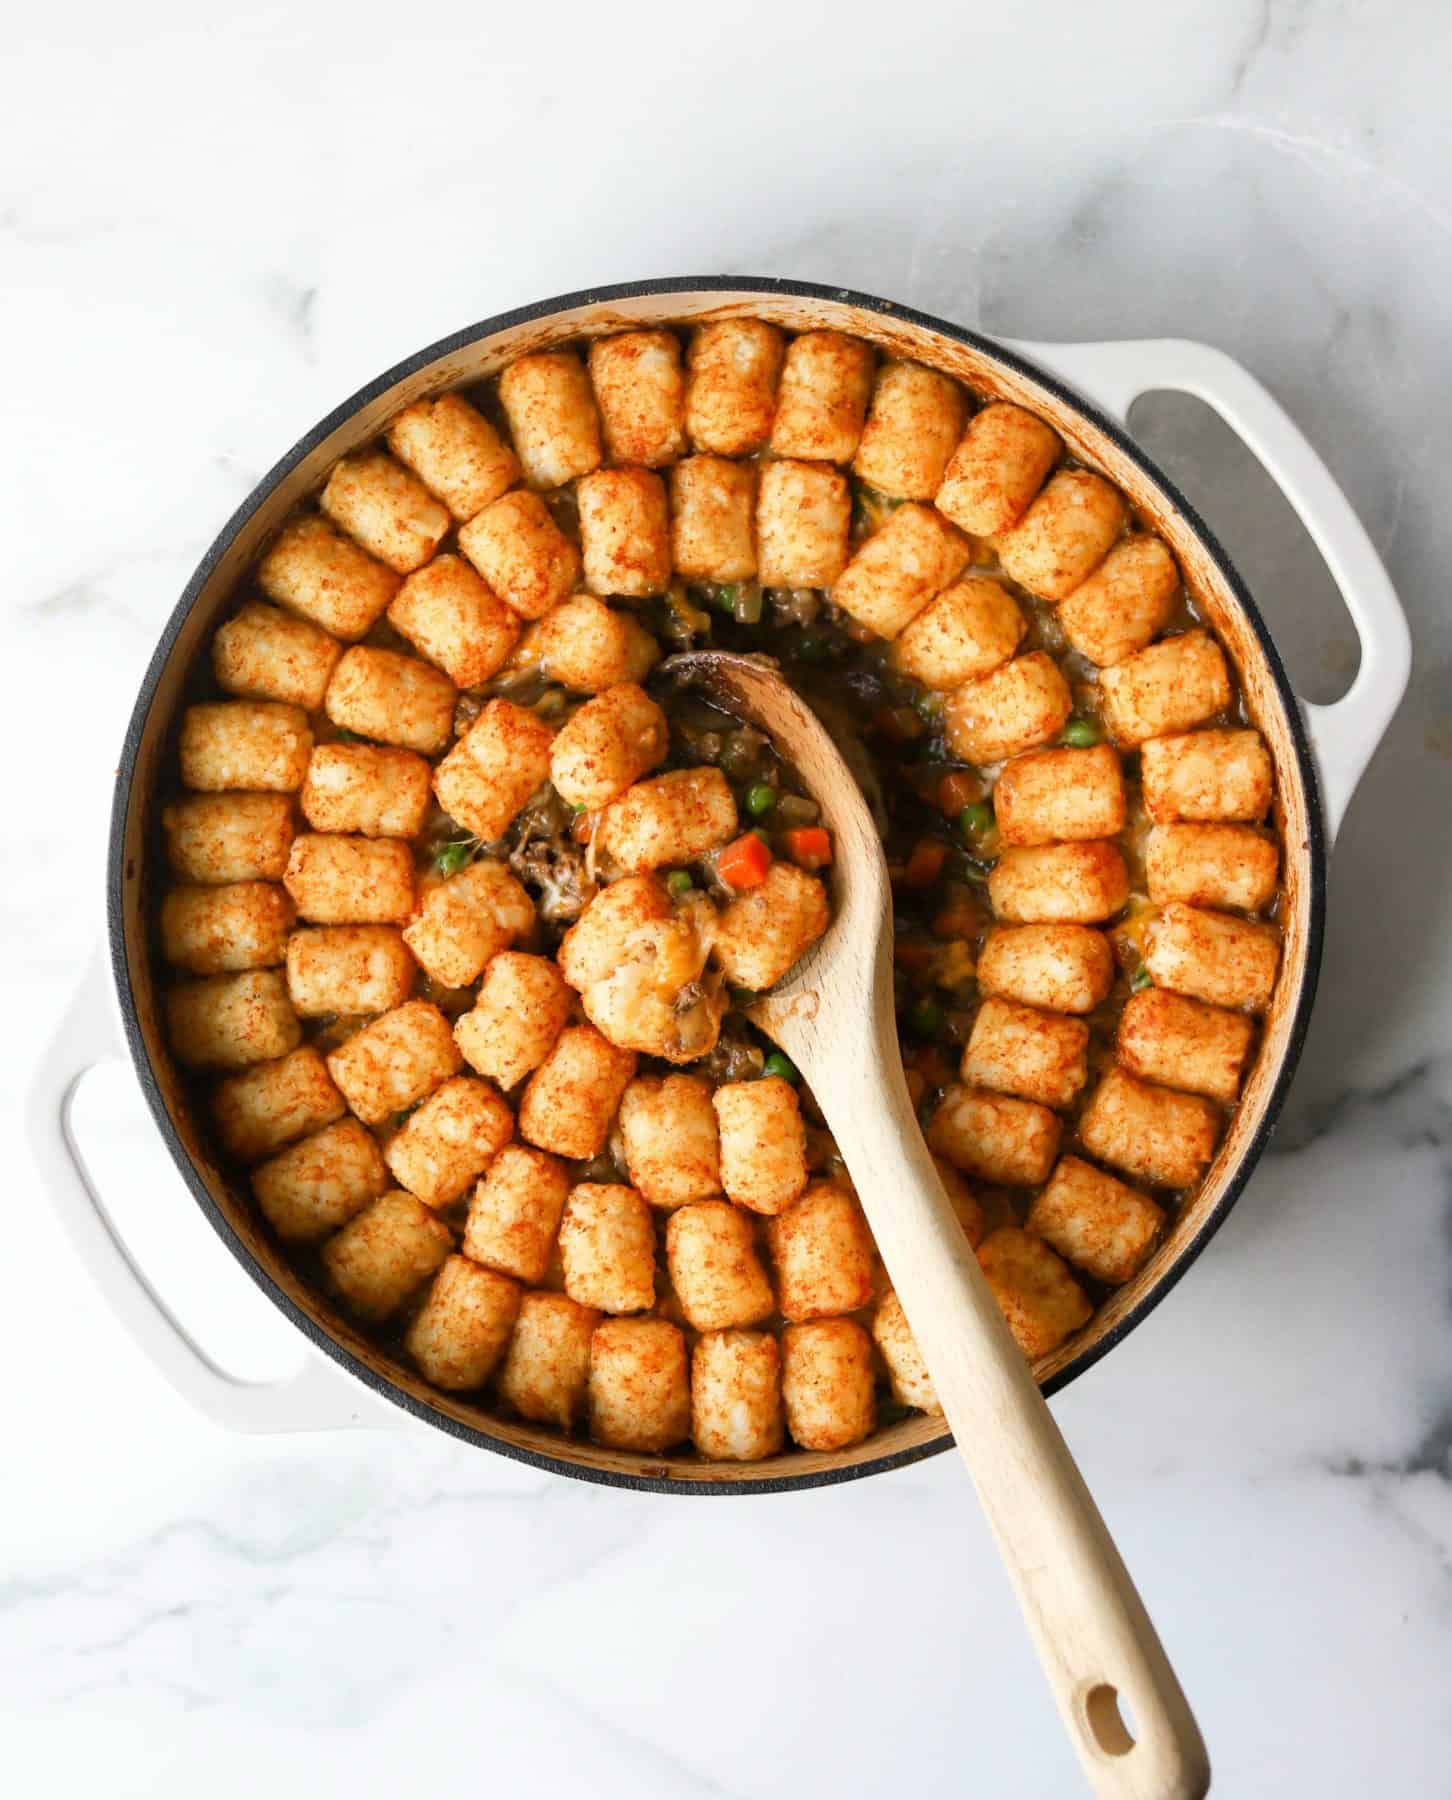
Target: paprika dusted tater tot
466,920
1018,1050
1125,603
316,571
1212,865
1039,1298
384,1254
263,653
803,516
912,429
827,1383
455,452
269,1105
714,1267
448,1141
900,568
736,1413
256,745
1152,1133
968,630
386,510
995,1137
460,1331
713,511
1095,1222
1077,884
573,1095
1001,462
588,646
1206,777
450,615
396,699
1068,968
733,367
521,553
493,769
374,790
821,402
1022,704
219,930
1184,1043
673,819
763,1143
339,880
391,1064
610,742
625,541
639,1391
230,1021
911,1383
1056,796
640,389
1164,689
821,1250
514,1216
547,1363
550,406
1213,956
1065,534
319,1184
346,969
215,838
672,1150
767,930
599,941
522,1008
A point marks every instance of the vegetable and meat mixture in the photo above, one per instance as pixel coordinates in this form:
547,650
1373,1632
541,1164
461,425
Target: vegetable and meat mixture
468,903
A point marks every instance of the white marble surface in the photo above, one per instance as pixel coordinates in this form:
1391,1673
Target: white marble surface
216,223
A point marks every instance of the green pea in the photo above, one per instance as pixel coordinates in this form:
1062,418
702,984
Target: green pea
760,798
1082,734
926,1017
742,997
453,857
679,883
726,598
1140,980
974,820
777,1064
929,706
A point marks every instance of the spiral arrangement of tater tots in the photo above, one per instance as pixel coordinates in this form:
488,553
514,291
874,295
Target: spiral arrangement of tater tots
466,905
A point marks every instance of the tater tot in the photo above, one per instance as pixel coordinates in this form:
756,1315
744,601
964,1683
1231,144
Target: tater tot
827,1383
607,1248
900,568
319,573
494,768
599,940
1038,1297
585,645
1212,865
763,1143
768,929
522,1008
639,1393
1167,688
912,429
522,554
1072,884
734,365
1065,534
229,1021
1206,777
550,406
374,790
394,1062
467,919
821,403
610,742
640,1005
319,1184
912,1385
1213,956
1059,796
674,818
348,969
965,1203
548,1360
714,1268
1159,1136
1019,1050
640,389
995,1136
713,512
625,541
1183,1043
803,517
822,1252
215,838
672,1149
448,1141
1020,705
338,880
455,452
219,930
1095,1222
396,699
1067,968
1000,464
968,630
736,1413
1125,603
271,1104
385,509
256,745
384,1254
514,1216
263,653
459,1333
450,615
573,1095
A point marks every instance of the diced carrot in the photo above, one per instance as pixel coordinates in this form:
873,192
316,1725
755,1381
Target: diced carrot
809,846
925,864
957,790
582,827
914,957
744,863
898,724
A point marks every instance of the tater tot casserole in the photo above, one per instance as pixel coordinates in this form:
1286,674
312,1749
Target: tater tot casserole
465,898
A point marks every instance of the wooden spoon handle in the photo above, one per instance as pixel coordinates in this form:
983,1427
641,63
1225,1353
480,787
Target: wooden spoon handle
1094,1638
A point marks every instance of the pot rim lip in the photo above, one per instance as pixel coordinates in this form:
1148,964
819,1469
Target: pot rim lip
745,286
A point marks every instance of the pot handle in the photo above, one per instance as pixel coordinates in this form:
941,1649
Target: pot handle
1345,734
316,1397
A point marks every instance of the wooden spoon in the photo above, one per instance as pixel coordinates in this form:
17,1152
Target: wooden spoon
834,1016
